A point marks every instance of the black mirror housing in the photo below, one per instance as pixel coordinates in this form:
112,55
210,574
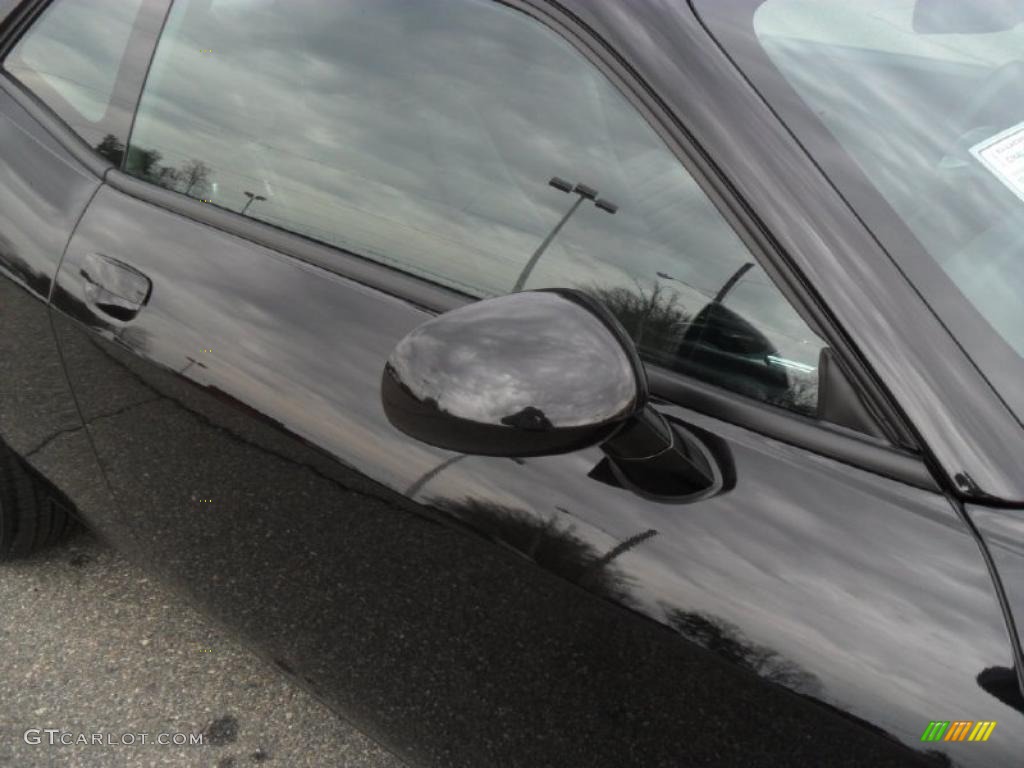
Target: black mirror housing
528,374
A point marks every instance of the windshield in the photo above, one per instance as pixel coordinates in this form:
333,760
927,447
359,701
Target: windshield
915,109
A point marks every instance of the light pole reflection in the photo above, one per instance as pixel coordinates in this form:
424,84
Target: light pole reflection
253,197
585,193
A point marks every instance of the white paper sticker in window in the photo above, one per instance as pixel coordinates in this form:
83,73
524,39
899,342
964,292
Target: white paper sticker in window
1003,155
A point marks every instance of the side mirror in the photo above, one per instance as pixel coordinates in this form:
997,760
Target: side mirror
528,374
546,372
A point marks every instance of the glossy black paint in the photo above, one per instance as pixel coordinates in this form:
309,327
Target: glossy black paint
541,373
528,374
1002,530
43,192
440,600
480,611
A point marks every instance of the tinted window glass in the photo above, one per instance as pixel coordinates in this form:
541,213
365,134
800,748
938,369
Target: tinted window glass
914,109
86,60
464,142
948,159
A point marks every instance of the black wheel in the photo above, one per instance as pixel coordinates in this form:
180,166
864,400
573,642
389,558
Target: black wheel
30,518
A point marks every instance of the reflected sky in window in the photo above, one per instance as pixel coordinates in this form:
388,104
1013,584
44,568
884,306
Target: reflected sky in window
423,135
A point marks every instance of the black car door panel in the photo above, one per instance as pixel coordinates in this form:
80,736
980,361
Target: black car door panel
485,611
43,191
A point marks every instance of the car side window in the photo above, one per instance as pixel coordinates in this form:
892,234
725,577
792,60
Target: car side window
466,143
86,59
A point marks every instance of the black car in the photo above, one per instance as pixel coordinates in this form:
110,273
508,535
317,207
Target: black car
582,383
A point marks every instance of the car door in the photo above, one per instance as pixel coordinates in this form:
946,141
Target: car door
307,183
47,176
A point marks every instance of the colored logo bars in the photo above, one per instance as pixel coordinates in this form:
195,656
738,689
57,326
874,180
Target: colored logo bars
958,730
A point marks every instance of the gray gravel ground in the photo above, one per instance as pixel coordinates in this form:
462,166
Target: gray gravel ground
88,645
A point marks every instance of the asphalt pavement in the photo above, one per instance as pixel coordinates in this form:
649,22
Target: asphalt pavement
94,654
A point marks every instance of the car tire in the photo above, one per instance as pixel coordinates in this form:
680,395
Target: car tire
30,518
